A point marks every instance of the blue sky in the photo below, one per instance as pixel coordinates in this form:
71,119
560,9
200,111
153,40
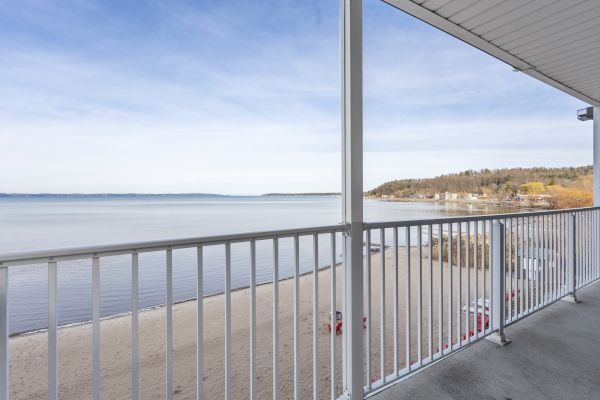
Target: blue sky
243,97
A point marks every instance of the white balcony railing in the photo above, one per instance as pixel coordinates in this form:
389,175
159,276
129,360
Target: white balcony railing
430,288
501,269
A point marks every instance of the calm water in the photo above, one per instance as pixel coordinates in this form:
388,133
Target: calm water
39,223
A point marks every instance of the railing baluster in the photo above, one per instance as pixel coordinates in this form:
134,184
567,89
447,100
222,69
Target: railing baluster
592,245
551,269
560,255
518,282
4,365
420,297
253,319
582,264
535,261
333,318
555,256
382,303
544,291
575,250
510,255
228,394
484,291
407,300
200,324
450,291
476,278
595,241
169,325
581,241
583,250
518,269
430,314
533,257
275,318
527,262
316,369
596,249
539,261
296,318
52,332
368,306
459,265
96,326
468,283
592,240
584,239
441,290
491,256
588,242
548,253
134,325
395,301
572,250
587,247
521,264
563,257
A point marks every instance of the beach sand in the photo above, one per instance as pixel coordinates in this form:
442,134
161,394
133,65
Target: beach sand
28,353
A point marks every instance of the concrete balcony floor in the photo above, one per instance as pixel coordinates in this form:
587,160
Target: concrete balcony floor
554,354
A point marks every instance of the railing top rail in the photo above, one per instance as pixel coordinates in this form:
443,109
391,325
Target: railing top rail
32,257
470,218
39,256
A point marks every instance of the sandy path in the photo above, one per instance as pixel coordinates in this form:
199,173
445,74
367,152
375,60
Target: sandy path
28,353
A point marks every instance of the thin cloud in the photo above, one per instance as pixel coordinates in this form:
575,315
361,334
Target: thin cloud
244,97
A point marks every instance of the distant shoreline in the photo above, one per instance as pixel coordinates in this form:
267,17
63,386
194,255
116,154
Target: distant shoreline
302,194
479,204
117,195
129,195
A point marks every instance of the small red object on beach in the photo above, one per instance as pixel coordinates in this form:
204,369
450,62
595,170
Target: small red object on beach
338,325
486,321
338,328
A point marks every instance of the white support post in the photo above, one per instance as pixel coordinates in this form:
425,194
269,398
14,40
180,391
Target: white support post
3,333
498,285
596,147
571,278
352,194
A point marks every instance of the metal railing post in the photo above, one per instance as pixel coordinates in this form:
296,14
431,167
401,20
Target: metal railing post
571,274
3,333
498,284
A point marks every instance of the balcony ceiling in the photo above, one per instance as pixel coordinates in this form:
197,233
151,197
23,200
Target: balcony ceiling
555,41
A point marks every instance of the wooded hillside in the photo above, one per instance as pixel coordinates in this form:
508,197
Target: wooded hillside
568,187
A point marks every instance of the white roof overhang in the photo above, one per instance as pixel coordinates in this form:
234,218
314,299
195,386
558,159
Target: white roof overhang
555,41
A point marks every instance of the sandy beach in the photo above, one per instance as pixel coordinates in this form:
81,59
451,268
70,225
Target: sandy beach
28,353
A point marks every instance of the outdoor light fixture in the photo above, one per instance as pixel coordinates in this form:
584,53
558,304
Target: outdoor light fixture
585,114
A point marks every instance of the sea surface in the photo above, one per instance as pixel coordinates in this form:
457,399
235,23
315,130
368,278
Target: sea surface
35,223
